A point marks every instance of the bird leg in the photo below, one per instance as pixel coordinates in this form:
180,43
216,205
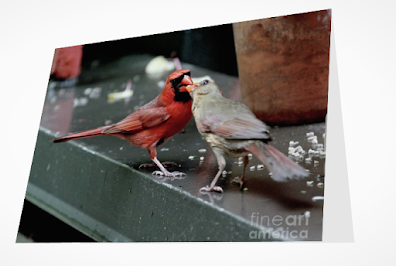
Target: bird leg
165,172
221,162
241,181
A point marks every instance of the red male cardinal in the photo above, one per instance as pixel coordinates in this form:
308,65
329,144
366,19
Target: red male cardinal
231,129
153,123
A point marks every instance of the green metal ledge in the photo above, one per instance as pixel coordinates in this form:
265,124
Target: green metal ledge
95,184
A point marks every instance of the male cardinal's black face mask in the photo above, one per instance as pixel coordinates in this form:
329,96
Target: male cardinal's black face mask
181,96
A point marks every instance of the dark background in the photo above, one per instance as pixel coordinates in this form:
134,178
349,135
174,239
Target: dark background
210,47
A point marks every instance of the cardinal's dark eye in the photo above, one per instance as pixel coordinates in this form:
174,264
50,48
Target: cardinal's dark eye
205,82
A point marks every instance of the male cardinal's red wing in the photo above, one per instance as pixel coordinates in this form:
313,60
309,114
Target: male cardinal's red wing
141,119
245,126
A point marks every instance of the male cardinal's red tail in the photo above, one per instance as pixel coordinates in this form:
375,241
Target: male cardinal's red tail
277,163
82,134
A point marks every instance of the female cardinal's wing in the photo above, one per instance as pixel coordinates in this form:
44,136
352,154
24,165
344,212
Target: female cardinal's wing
232,120
140,119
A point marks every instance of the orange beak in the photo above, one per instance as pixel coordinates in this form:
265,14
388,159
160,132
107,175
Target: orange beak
190,88
186,82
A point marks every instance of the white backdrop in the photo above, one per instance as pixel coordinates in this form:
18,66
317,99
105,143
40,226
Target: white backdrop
365,54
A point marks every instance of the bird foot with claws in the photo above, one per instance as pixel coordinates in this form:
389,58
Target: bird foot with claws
239,181
169,174
209,189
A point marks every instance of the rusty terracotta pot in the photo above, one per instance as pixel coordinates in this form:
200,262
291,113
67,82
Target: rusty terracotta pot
283,66
67,62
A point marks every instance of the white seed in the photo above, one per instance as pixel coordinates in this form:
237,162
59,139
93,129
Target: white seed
202,150
312,138
260,167
87,91
308,160
252,168
161,83
201,158
310,183
317,198
309,134
293,143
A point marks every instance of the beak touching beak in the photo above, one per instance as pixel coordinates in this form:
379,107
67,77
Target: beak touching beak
190,88
187,84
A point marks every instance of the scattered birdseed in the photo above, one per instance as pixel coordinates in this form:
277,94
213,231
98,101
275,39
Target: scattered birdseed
202,150
310,183
252,168
320,185
310,134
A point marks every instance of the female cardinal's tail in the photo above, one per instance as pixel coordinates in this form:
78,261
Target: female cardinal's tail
281,167
82,134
